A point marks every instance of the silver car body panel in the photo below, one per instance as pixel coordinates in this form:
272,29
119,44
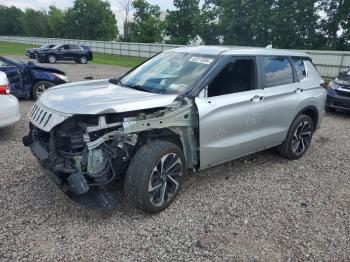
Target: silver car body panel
100,97
235,125
230,126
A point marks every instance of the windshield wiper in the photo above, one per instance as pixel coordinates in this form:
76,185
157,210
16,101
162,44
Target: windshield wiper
138,87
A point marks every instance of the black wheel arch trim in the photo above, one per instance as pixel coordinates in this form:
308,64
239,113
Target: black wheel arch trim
305,111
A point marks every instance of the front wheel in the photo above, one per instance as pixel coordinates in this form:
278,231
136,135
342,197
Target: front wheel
40,88
52,59
298,138
155,176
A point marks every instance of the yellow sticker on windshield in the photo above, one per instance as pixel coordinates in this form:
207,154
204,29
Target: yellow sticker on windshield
201,60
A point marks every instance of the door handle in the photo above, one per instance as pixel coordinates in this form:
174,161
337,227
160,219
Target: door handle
257,99
299,90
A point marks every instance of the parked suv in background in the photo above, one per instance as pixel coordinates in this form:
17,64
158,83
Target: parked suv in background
79,54
338,97
185,109
33,52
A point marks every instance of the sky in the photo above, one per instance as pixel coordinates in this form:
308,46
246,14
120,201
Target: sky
44,4
63,4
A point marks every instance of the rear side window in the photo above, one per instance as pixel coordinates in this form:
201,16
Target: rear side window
299,67
73,47
277,71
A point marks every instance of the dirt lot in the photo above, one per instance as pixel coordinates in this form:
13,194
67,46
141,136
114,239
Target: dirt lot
261,207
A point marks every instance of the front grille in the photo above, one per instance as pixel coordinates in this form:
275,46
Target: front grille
44,118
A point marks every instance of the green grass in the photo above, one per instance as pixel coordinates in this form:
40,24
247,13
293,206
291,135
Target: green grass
13,48
127,61
104,59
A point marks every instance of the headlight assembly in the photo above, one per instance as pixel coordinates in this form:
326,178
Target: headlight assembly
63,77
333,85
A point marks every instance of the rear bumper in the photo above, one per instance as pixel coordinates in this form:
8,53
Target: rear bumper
9,110
336,101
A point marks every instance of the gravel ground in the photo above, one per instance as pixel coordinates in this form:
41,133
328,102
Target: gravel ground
260,207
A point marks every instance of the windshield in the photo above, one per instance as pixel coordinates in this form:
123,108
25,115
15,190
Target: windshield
169,73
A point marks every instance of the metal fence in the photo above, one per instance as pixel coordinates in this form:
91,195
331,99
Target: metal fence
329,63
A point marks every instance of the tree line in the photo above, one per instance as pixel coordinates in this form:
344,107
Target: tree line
303,24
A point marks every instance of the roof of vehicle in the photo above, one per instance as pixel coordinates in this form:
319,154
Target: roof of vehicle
223,50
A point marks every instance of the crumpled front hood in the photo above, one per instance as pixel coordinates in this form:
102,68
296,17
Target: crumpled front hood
343,78
44,68
100,97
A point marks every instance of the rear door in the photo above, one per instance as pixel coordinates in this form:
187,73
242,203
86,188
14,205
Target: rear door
229,113
74,52
282,95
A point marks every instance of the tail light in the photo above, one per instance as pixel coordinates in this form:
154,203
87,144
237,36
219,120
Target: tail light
4,89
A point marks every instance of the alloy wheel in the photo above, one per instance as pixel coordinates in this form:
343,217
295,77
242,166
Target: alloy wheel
301,138
164,181
41,90
52,59
83,60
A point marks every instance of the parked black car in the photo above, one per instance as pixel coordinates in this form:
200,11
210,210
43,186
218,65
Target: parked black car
79,54
33,52
338,97
28,80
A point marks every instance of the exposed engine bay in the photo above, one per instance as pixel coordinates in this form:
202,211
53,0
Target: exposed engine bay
88,155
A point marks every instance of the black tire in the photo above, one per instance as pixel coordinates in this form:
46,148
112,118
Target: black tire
330,109
83,60
142,181
289,148
35,90
52,59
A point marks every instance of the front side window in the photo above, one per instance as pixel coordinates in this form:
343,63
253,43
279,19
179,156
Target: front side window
238,76
64,47
169,73
277,71
299,67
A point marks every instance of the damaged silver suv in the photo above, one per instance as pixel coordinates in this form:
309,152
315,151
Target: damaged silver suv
185,109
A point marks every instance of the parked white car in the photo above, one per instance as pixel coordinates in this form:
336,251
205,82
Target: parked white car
9,107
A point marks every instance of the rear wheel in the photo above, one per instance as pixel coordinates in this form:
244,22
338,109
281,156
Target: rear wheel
40,88
52,59
298,139
83,60
155,176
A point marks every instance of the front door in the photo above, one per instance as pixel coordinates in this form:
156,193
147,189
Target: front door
63,52
230,115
